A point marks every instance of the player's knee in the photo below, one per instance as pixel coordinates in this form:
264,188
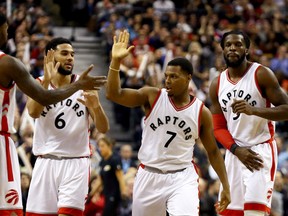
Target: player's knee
254,213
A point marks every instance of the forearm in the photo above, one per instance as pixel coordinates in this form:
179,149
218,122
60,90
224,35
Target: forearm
218,165
54,96
120,178
113,84
100,119
279,113
34,108
221,131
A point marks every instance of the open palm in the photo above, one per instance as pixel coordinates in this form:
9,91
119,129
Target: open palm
119,49
50,69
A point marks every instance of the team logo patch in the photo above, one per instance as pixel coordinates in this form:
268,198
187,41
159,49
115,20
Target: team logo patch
12,197
107,168
269,193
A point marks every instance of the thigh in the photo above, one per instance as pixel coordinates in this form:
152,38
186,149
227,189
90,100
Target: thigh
149,194
73,188
236,181
42,196
10,184
184,199
260,183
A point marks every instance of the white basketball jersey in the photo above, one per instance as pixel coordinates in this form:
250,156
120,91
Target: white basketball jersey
246,130
63,128
8,105
169,134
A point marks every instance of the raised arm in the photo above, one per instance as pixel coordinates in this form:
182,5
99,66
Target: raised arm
114,92
215,157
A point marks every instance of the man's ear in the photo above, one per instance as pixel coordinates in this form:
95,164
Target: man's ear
246,52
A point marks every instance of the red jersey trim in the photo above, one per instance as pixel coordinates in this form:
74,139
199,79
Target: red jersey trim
256,81
153,105
184,107
199,119
231,81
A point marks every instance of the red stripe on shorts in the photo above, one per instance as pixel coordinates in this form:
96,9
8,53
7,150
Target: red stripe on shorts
230,212
8,160
18,212
256,207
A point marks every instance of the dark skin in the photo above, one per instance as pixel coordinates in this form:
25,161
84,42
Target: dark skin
234,48
12,69
177,86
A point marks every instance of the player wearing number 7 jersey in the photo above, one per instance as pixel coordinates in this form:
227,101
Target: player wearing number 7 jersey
60,177
166,179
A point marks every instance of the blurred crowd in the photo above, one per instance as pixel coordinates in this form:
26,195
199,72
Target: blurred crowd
160,30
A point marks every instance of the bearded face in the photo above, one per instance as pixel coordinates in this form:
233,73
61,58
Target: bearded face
234,62
63,71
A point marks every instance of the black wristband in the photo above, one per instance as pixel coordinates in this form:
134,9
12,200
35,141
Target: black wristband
233,148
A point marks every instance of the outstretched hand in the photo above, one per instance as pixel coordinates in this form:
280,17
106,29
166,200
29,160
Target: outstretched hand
91,82
119,49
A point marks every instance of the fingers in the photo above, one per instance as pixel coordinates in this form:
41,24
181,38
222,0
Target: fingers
130,48
253,161
123,37
57,66
87,70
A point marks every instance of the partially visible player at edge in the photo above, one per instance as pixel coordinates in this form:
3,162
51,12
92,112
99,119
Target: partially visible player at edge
166,178
12,73
246,100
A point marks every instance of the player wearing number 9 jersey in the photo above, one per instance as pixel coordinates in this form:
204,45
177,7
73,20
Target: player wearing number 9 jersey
166,179
60,177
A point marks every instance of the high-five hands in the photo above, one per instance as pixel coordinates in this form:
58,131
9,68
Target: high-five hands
91,82
119,49
50,68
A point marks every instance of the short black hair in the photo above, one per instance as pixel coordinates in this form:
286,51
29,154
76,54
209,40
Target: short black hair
55,42
184,63
237,32
3,19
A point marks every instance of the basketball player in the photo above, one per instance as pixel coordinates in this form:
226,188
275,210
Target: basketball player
246,99
61,141
166,178
12,73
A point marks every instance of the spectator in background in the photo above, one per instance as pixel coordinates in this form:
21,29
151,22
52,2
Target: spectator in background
25,185
279,64
95,203
126,153
111,177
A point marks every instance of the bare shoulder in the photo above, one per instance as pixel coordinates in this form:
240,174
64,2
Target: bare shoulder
11,69
151,93
265,76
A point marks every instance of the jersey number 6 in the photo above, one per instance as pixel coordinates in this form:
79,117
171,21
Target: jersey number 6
59,123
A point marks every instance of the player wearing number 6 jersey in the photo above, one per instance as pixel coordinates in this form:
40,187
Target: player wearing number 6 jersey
166,179
61,141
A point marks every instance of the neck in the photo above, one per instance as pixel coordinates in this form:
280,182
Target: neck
61,80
